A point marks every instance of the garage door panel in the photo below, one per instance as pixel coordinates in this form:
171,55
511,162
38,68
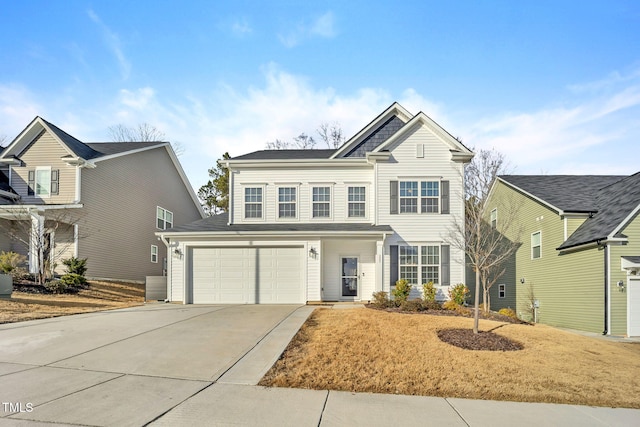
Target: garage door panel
247,275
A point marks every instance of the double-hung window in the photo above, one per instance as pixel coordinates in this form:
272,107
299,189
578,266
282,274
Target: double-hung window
429,196
502,291
494,218
287,202
409,264
357,200
43,182
408,196
154,253
321,202
430,264
536,245
253,202
164,218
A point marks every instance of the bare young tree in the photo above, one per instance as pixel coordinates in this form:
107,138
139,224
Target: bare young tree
144,132
3,139
331,134
485,243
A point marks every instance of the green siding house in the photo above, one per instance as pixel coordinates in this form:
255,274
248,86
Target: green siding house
579,262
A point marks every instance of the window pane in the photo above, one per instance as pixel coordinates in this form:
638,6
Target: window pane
409,273
321,194
253,210
168,219
408,205
356,194
43,182
409,189
321,210
536,252
430,189
430,274
429,205
287,194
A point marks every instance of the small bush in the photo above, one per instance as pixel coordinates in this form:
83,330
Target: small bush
429,292
73,280
76,265
412,305
432,305
454,306
381,300
401,292
508,312
21,273
56,286
9,261
458,293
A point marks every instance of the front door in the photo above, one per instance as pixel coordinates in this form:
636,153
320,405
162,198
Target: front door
349,276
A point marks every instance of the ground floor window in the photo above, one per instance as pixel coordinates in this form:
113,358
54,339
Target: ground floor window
419,264
502,291
154,253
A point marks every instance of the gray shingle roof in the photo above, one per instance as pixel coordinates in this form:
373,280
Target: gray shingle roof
570,193
615,203
79,148
286,155
218,223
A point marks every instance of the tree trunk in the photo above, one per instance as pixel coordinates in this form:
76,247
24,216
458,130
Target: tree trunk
476,303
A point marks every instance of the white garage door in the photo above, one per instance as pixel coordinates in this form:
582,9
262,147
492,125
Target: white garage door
633,306
252,275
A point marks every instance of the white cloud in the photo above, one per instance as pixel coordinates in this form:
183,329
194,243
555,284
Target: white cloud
323,26
113,43
241,27
17,108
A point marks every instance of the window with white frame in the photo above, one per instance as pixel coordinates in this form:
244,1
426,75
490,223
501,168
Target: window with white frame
502,291
536,245
154,253
494,218
43,182
409,263
430,196
321,202
253,202
430,264
357,200
408,196
164,218
287,202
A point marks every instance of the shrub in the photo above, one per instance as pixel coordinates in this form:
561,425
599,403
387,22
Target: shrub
73,280
459,293
381,300
9,261
76,265
401,292
21,273
415,304
454,306
508,312
56,286
429,292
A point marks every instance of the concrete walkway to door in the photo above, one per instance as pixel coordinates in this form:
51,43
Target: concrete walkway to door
180,365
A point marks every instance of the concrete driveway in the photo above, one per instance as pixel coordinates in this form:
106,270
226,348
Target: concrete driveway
130,366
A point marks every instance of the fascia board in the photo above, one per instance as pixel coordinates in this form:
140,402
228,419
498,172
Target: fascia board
234,164
183,234
539,200
395,108
624,222
125,153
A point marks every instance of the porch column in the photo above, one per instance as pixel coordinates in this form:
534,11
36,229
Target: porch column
36,239
379,264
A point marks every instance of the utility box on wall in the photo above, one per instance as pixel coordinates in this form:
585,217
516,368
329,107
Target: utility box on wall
155,288
6,286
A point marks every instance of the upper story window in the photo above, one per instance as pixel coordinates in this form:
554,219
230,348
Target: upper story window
321,202
287,202
164,218
154,253
430,196
43,182
357,200
408,196
253,202
494,218
536,245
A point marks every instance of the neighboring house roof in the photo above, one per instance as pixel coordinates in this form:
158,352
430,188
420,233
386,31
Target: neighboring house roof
286,155
611,200
79,148
567,193
219,224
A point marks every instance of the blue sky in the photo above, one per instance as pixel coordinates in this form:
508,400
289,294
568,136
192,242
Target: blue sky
554,85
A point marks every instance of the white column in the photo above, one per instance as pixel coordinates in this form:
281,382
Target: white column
75,240
379,264
35,241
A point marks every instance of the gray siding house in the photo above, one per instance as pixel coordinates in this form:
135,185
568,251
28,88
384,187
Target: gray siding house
101,201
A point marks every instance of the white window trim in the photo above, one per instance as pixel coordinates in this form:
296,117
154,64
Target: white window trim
164,219
419,196
366,201
154,252
311,202
264,204
35,182
297,202
420,264
536,232
502,288
494,217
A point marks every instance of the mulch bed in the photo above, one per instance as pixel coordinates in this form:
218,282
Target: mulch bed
466,339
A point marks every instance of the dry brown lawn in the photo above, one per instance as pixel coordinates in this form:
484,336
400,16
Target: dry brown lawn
367,350
100,296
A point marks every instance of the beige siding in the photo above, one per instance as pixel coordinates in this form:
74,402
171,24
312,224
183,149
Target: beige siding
569,287
64,246
573,224
120,197
618,295
45,151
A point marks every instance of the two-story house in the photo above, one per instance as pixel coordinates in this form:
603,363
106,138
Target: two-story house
330,225
578,263
60,197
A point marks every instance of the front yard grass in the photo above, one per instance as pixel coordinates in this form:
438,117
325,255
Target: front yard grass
365,350
99,296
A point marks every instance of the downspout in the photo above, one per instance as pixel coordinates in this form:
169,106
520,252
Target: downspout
169,262
606,290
